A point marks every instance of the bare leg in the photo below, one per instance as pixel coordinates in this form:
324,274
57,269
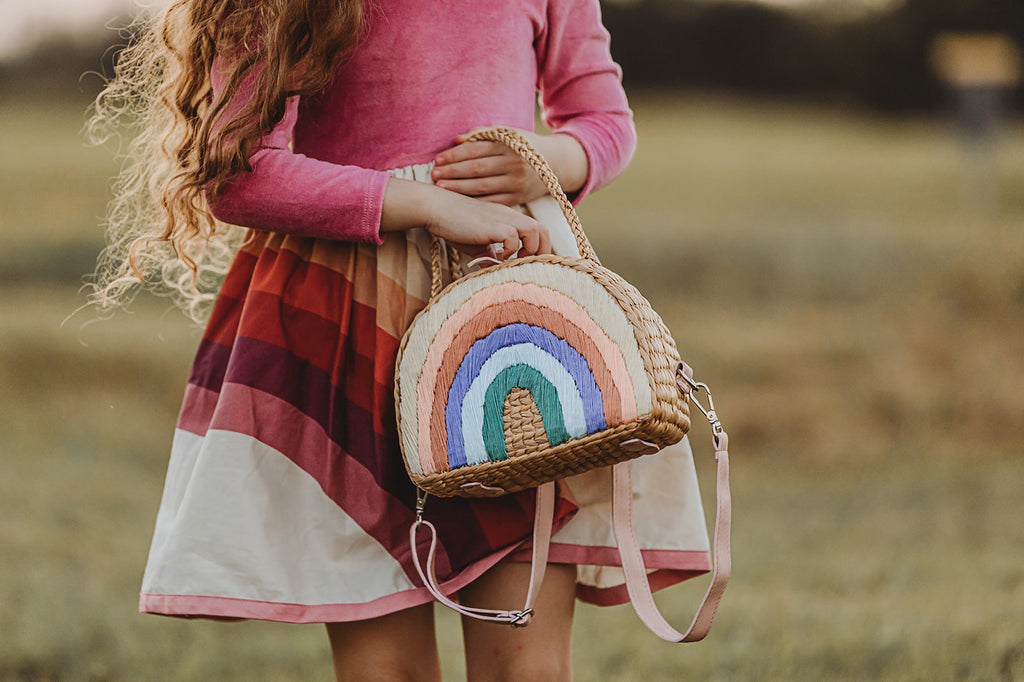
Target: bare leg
540,652
396,647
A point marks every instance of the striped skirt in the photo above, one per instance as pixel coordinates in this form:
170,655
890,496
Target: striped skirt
286,496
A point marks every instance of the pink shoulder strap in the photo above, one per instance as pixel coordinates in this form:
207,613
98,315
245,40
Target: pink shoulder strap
637,585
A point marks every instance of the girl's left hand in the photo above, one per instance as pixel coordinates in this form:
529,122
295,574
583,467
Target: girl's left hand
491,171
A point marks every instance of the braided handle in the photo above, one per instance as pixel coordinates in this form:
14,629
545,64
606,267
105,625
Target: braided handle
517,143
454,264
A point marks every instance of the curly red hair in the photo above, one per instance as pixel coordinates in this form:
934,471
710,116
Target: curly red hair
188,140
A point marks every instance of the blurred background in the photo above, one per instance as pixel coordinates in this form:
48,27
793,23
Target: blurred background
829,200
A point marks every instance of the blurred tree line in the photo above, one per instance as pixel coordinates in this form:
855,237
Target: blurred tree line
879,60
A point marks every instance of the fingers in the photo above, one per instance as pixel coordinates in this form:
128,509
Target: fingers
472,170
510,246
487,170
531,242
510,188
468,221
469,151
545,243
534,237
491,190
519,235
457,163
503,180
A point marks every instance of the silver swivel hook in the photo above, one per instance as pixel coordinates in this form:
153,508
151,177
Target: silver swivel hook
690,388
421,503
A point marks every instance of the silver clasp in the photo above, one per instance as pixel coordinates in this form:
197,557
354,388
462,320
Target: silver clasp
421,503
690,388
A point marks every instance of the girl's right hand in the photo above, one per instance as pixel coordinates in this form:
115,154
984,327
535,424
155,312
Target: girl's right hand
471,225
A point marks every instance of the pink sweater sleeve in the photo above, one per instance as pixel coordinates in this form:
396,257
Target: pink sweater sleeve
581,89
296,194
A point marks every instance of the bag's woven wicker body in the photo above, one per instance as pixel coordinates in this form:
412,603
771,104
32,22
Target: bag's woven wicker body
533,370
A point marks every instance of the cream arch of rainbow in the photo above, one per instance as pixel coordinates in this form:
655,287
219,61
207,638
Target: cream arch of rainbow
568,292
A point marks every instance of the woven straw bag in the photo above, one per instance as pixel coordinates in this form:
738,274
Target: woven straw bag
533,370
536,369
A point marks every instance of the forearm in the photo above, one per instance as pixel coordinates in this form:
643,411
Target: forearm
294,194
608,140
407,204
567,159
581,90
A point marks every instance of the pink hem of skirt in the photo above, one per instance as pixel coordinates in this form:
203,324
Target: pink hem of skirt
670,566
200,606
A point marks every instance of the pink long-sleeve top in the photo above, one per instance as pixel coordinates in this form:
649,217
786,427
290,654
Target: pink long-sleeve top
426,71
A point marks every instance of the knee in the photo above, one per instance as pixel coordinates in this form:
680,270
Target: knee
394,670
539,669
399,647
537,664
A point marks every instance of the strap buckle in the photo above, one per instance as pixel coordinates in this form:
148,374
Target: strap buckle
520,619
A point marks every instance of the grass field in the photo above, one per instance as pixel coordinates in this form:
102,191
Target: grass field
862,332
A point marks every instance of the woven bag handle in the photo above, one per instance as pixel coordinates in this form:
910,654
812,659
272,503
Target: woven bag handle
512,139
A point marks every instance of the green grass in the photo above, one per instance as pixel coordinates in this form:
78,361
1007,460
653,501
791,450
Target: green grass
860,329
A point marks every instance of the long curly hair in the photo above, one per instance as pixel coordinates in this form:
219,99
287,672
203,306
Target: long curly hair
187,141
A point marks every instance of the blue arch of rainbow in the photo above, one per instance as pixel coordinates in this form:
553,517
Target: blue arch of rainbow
529,357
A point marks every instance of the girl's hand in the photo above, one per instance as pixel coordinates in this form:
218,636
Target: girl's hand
469,224
472,226
493,172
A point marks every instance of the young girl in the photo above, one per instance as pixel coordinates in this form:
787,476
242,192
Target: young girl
332,132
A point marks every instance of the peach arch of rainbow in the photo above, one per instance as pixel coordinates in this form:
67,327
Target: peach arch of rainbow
589,306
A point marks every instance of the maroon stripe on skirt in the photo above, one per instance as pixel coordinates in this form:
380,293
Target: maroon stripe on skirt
349,429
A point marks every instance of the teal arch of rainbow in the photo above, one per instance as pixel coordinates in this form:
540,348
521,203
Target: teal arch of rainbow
450,415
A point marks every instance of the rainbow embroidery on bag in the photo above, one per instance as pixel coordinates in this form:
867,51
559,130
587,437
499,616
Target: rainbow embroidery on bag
494,335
